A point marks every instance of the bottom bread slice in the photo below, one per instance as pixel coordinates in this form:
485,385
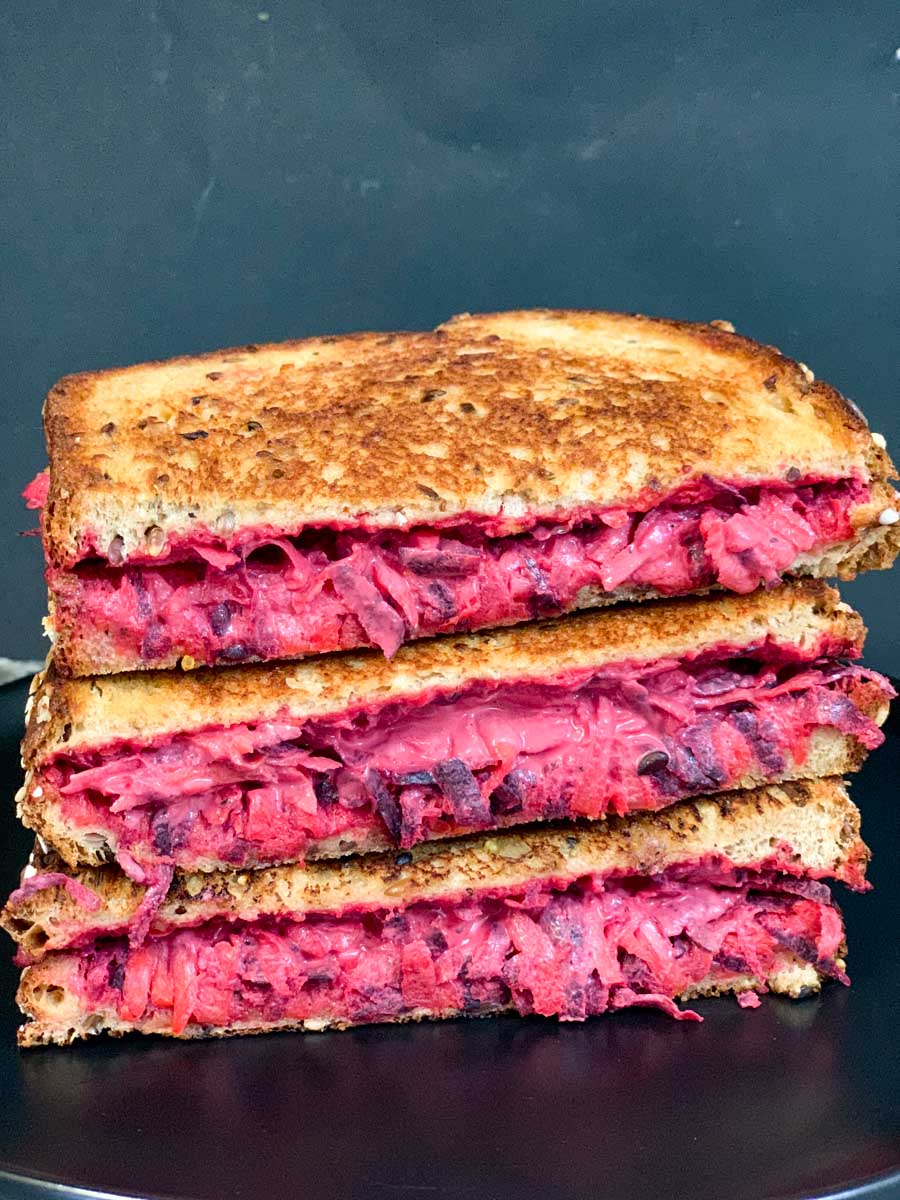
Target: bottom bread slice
58,1020
572,951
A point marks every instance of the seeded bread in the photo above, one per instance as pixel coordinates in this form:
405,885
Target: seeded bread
809,827
515,414
510,416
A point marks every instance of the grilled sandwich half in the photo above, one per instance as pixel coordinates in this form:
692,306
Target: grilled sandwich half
279,501
718,895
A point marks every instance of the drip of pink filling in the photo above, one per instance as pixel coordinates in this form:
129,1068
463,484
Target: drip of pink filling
262,595
592,948
631,737
42,880
35,494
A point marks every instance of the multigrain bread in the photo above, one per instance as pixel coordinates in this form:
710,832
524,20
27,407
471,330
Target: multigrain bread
810,827
489,423
516,414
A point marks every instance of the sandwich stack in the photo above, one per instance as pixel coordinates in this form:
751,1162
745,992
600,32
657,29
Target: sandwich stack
324,738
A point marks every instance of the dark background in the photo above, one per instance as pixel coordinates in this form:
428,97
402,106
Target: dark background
183,176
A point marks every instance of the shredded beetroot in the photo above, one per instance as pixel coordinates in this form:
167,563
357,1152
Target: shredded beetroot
158,880
79,892
262,595
574,953
630,737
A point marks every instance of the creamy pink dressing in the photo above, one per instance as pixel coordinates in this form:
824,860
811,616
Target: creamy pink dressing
627,738
593,947
262,595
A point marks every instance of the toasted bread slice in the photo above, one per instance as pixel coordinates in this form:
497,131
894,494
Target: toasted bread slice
365,448
808,828
807,831
518,415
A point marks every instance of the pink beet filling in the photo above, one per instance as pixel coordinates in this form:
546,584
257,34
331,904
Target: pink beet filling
589,949
261,595
35,494
42,880
629,737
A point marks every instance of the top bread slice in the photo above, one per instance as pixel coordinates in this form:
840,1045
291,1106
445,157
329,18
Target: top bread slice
66,715
512,415
808,829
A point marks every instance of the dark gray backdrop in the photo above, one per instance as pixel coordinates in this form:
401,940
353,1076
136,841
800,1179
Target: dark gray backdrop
179,176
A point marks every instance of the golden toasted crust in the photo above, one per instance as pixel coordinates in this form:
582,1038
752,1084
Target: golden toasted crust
86,713
56,1017
811,827
519,414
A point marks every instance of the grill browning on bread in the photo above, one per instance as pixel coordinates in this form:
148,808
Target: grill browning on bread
378,453
515,414
564,817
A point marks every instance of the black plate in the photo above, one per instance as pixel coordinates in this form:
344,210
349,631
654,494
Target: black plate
790,1100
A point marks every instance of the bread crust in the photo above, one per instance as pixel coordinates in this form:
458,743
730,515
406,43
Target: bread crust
809,827
85,713
502,414
54,1016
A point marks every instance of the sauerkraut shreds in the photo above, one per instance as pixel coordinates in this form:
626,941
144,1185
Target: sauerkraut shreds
259,594
593,947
